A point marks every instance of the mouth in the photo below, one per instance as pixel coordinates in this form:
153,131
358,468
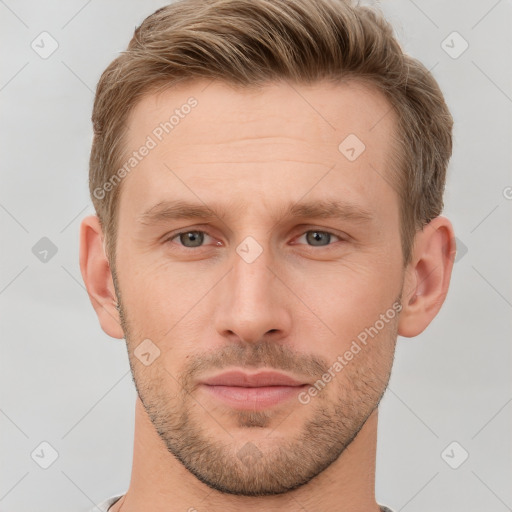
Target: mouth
261,390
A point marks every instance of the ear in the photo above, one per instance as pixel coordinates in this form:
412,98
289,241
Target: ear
427,276
97,276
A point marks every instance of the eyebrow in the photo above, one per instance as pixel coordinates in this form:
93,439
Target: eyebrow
319,209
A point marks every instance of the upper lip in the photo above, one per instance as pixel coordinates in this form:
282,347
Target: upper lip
254,380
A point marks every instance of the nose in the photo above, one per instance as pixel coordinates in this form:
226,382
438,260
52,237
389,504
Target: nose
253,301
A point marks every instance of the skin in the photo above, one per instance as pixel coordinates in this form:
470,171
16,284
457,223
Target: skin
248,153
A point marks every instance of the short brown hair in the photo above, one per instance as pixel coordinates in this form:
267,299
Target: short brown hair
253,42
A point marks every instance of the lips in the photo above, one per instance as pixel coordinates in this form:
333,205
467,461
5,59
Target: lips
256,380
246,391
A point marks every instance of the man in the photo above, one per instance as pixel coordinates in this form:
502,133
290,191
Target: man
268,179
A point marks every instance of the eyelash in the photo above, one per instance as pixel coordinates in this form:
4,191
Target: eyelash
176,235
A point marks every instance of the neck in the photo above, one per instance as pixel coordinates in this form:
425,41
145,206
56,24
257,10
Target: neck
161,483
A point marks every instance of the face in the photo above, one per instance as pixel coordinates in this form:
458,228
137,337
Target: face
254,236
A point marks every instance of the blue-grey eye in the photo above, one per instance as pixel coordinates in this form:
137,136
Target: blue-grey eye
192,238
318,238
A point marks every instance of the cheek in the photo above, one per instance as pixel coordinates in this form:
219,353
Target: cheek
157,292
172,310
349,298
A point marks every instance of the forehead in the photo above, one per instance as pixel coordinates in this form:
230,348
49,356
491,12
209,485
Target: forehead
323,109
215,139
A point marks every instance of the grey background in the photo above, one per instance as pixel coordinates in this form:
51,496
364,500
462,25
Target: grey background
64,381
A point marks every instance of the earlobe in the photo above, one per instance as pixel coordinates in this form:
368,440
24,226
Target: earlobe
97,276
427,276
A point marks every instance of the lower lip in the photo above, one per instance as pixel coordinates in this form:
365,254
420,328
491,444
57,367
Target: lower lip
254,398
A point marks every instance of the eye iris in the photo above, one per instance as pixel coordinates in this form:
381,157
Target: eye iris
318,236
194,237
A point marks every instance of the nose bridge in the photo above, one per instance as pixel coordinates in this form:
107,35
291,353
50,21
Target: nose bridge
254,304
251,276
